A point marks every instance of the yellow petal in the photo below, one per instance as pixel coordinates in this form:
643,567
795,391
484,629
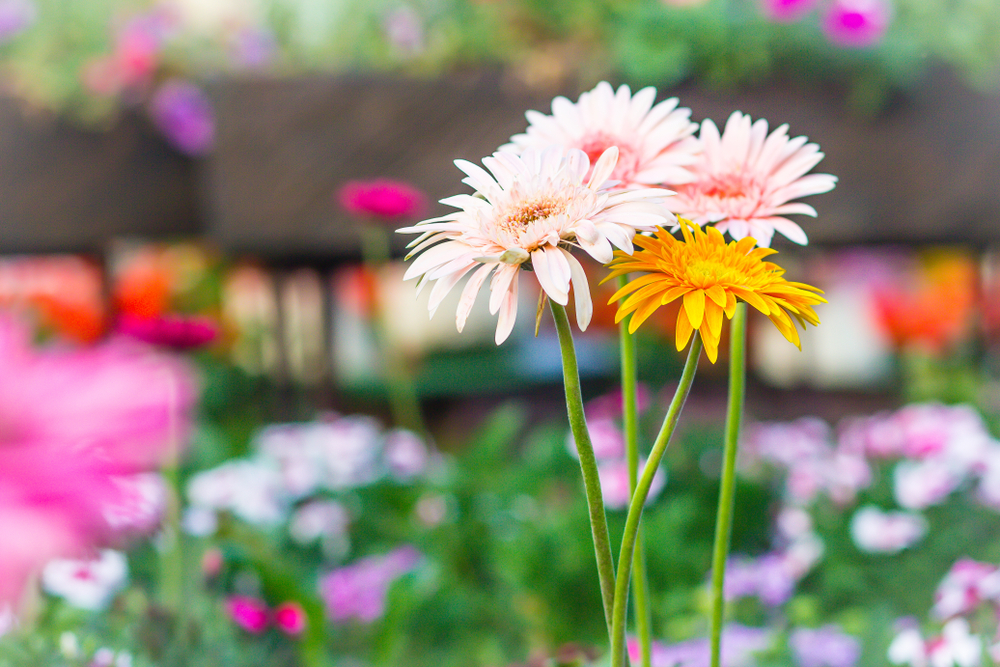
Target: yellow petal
634,285
713,320
640,315
717,294
684,330
753,299
694,304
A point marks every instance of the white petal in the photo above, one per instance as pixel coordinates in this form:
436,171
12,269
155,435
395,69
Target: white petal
581,292
434,257
502,279
605,165
542,264
443,286
508,314
469,293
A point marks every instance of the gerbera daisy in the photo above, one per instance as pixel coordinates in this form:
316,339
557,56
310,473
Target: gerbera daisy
530,210
746,179
710,275
655,143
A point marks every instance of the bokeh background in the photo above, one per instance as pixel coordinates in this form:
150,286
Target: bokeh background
172,181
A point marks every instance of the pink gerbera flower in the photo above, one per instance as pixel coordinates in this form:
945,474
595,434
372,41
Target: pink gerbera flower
746,179
532,209
655,143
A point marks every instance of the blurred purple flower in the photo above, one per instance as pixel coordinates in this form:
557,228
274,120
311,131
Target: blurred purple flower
824,647
767,578
786,11
404,30
857,23
253,48
16,16
184,114
739,643
172,331
249,613
359,590
382,199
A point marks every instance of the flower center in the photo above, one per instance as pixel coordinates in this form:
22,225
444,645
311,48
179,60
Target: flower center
730,186
521,217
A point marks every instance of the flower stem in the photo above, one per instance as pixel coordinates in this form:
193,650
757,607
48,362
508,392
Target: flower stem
639,499
588,462
630,414
400,388
727,490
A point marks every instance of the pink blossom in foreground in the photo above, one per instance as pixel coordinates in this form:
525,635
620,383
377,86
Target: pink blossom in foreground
358,591
876,531
857,23
249,613
655,143
967,585
72,422
746,179
171,331
786,11
382,199
290,618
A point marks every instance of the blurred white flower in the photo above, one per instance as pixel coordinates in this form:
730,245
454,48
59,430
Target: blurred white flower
876,531
87,584
140,505
317,519
249,490
405,454
917,485
967,584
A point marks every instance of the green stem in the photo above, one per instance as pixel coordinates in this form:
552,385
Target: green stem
727,491
588,462
639,499
630,414
376,251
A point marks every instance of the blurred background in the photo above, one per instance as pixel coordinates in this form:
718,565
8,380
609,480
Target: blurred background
179,173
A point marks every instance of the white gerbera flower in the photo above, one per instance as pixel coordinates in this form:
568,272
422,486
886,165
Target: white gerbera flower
746,178
655,143
530,208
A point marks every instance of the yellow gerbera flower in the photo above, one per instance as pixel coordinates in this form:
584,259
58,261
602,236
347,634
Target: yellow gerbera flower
711,275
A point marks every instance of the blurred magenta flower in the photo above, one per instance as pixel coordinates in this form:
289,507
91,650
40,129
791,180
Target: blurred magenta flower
359,590
184,114
614,476
72,422
290,618
178,332
857,23
249,613
606,438
16,16
786,11
824,647
382,199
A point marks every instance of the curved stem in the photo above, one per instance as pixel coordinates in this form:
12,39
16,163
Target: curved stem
727,490
639,499
630,416
588,462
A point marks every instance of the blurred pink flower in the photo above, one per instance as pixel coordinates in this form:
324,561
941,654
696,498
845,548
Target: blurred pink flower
358,591
739,643
746,178
857,23
405,454
876,531
16,16
954,647
249,613
609,406
71,423
920,485
605,437
178,332
614,478
290,618
786,11
967,584
382,199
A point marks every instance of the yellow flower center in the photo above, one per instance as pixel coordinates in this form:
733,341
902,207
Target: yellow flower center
524,215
